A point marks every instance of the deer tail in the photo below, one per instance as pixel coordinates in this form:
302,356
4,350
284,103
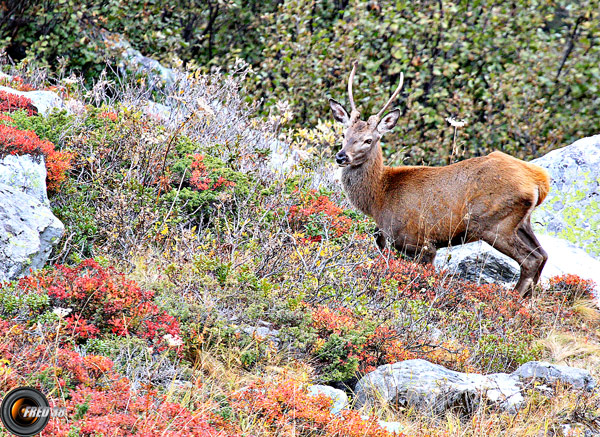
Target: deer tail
542,179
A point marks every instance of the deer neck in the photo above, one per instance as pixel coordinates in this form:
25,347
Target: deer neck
362,183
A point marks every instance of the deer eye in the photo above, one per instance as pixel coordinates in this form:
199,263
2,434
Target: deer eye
368,141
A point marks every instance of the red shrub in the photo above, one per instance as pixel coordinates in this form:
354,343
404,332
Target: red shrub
98,400
328,321
16,82
364,344
200,178
311,210
12,102
103,301
285,408
6,118
18,142
108,115
573,287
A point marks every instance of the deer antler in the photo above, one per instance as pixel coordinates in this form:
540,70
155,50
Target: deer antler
380,113
350,80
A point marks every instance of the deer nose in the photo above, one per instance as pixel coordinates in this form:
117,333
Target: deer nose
341,157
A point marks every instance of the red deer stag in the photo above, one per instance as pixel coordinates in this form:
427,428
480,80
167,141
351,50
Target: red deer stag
420,209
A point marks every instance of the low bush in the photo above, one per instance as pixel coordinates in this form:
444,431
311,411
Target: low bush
14,141
95,301
10,102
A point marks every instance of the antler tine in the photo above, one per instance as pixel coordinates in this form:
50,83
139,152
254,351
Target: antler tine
380,113
350,80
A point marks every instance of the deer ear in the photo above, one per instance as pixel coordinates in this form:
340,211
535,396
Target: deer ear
339,113
388,122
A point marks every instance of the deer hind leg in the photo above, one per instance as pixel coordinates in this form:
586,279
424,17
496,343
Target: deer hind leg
513,247
525,233
517,241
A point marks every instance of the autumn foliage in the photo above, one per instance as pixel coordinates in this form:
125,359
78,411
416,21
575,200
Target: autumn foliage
201,178
101,301
14,141
99,401
318,216
10,102
286,409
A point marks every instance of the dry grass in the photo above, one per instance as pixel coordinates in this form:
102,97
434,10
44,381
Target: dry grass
587,309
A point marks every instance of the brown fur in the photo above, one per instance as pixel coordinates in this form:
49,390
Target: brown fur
422,208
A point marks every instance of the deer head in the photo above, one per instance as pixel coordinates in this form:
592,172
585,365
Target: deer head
362,137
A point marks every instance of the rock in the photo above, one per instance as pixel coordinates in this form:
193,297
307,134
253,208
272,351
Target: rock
550,373
571,211
44,101
132,60
478,262
339,398
260,331
263,331
393,427
431,388
28,231
283,158
162,112
25,173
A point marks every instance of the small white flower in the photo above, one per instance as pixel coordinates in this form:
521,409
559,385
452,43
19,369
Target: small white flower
456,123
70,80
61,312
173,340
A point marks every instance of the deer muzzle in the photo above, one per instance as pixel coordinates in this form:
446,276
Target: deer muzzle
342,158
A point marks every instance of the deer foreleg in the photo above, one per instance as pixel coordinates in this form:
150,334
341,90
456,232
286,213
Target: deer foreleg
379,238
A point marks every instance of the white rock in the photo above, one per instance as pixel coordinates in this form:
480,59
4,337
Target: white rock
550,373
393,427
571,210
431,388
25,173
565,257
28,231
44,101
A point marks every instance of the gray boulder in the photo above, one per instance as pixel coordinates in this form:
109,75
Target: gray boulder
478,262
551,373
44,101
28,231
262,332
571,211
25,173
339,398
132,60
431,388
